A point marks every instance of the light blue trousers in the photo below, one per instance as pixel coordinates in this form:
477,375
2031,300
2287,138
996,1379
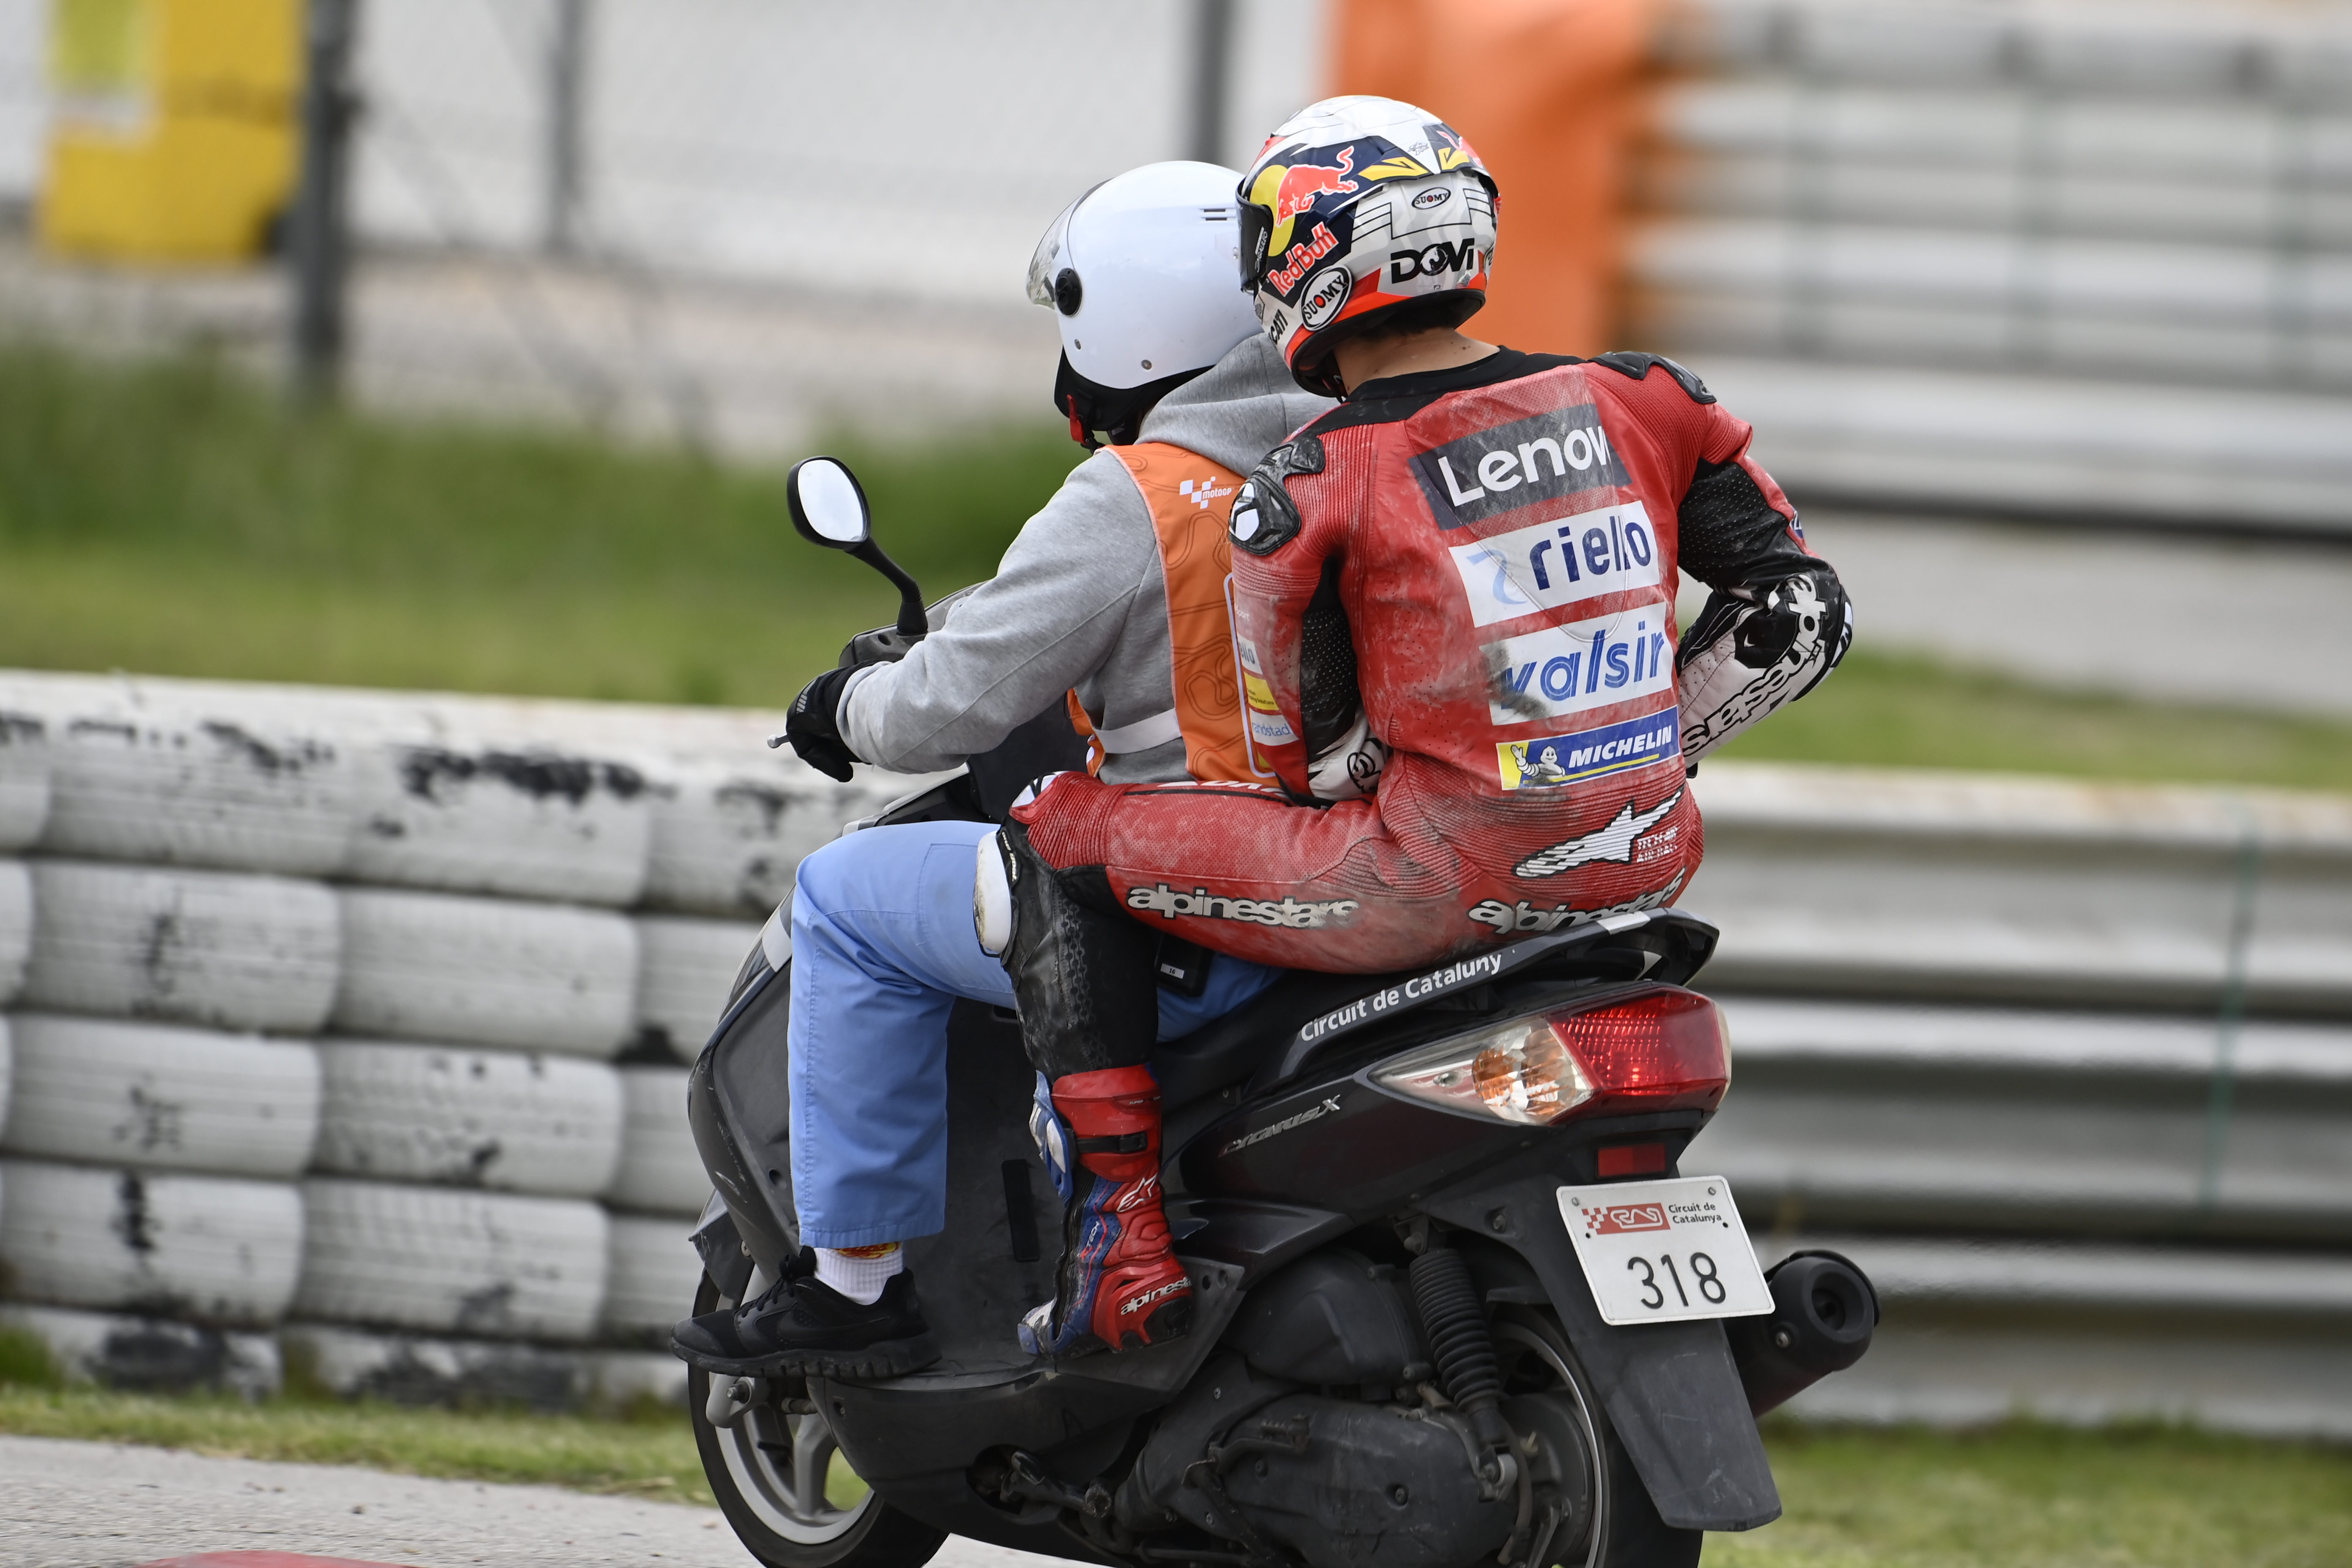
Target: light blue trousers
882,946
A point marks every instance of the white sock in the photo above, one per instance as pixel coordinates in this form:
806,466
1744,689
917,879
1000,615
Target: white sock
860,1272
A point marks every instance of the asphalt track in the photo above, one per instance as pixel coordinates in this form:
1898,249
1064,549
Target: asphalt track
99,1505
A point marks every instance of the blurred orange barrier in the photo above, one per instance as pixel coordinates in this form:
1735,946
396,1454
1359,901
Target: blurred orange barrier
1550,92
175,134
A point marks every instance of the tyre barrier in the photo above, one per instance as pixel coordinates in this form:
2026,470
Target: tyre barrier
504,1121
159,1097
126,1352
211,1248
24,778
660,1171
179,783
491,972
525,822
650,1281
726,838
686,968
443,1260
417,1369
202,947
15,926
1971,1012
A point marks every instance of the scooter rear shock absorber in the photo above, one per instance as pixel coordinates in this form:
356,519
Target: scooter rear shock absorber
1466,1368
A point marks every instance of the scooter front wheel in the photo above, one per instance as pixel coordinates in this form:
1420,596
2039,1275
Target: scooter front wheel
785,1486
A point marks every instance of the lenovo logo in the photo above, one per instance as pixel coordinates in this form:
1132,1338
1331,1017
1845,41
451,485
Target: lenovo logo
1516,465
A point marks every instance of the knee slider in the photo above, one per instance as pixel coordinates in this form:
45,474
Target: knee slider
991,895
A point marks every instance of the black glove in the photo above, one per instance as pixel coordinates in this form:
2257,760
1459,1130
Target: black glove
812,728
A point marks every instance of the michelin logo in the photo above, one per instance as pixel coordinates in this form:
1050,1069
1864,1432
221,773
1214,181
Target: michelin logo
1558,759
1563,561
1290,914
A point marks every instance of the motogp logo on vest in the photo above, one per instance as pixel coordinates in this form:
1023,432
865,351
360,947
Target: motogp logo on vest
1510,466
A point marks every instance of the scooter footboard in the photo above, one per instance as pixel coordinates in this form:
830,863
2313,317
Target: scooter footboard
1671,1389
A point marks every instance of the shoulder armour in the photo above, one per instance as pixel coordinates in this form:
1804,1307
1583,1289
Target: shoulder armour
1264,518
1629,362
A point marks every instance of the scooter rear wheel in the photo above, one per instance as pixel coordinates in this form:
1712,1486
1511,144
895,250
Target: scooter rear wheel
780,1481
1626,1530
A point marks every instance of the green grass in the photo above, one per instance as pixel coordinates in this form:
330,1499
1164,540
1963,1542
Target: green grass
2027,1496
170,518
2019,1496
650,1455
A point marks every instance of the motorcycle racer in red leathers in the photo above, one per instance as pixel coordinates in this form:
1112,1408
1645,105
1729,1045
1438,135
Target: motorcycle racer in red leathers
1453,606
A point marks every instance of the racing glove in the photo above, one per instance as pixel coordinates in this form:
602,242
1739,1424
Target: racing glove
1754,649
813,725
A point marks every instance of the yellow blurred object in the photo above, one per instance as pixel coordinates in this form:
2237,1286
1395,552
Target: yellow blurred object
174,134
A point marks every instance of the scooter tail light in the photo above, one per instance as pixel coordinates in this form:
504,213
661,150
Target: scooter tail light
1665,1049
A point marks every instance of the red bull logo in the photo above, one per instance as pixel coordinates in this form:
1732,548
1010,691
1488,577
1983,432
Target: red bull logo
1285,277
1302,183
1288,192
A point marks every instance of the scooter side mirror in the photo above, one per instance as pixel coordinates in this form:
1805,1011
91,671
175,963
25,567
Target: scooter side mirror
829,508
828,504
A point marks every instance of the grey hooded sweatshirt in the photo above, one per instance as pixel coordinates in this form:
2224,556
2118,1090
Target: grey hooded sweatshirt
1078,602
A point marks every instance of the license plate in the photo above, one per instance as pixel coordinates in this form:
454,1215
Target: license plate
1665,1252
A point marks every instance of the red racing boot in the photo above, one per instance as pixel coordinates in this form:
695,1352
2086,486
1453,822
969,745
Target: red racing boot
1119,1286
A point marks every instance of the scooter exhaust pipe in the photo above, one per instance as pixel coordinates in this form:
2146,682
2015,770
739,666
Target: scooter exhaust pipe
1823,1311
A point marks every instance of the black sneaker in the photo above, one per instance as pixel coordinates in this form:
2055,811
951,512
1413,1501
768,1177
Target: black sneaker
801,1324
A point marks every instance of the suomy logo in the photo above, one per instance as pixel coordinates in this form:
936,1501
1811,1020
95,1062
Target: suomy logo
1511,466
1324,297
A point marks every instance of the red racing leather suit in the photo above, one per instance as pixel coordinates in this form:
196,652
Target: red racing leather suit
1478,567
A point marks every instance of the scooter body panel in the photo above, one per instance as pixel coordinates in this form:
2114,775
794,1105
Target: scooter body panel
1671,1389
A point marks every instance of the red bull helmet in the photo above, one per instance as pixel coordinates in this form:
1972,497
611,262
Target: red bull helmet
1138,274
1355,208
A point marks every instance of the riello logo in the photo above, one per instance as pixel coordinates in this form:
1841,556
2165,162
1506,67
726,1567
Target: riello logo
1301,259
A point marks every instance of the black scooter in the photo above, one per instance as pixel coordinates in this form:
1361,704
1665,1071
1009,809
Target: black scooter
1399,1357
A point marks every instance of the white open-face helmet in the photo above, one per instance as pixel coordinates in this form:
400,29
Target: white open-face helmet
1140,275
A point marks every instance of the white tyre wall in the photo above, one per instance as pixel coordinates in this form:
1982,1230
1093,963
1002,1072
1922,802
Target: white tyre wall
685,969
503,1120
24,778
15,926
660,1172
489,971
652,1278
447,1261
726,838
525,823
183,782
156,1097
207,1247
202,947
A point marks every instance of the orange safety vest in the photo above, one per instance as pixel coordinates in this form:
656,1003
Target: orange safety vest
1191,500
